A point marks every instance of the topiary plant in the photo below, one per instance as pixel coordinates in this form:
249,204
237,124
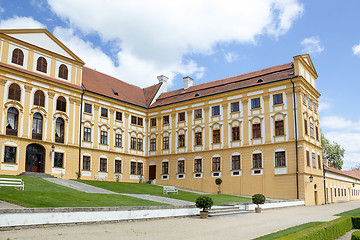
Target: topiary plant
204,202
355,235
258,199
218,182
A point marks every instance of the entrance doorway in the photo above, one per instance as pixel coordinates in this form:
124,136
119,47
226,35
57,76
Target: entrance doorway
35,158
316,197
152,172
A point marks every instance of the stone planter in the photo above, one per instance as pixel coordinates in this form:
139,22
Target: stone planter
204,214
258,210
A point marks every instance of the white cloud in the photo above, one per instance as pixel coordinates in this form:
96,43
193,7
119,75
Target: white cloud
312,45
231,57
2,9
337,122
356,49
156,37
20,23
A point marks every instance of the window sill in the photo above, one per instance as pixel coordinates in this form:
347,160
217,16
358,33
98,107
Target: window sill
234,141
257,168
235,111
103,144
278,104
102,172
213,116
280,135
280,166
59,167
182,121
9,163
257,138
214,143
87,141
254,109
89,114
198,145
200,118
166,124
86,170
234,170
118,146
119,121
102,117
117,172
181,147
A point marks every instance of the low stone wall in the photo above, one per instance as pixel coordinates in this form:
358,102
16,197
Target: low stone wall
273,204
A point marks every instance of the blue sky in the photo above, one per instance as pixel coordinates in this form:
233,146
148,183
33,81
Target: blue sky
208,40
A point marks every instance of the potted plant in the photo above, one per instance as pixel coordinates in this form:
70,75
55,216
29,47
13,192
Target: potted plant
205,204
258,199
218,182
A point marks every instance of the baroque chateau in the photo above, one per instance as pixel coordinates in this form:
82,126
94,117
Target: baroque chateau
259,132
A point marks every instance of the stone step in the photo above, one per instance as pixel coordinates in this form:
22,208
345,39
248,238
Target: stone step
35,174
225,211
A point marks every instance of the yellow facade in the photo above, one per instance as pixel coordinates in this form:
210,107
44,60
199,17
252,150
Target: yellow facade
109,148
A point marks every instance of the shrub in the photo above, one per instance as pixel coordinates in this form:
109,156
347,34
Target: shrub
218,181
204,202
258,199
356,222
355,235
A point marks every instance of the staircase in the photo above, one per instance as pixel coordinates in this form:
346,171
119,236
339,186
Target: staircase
35,174
221,211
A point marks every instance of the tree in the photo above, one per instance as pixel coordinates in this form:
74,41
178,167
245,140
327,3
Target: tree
332,152
356,167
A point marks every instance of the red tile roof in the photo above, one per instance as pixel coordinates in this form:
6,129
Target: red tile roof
353,173
150,93
268,75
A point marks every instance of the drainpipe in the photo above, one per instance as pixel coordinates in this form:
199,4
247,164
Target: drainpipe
324,184
296,139
80,124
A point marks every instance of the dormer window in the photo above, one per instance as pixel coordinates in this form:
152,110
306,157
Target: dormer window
41,65
63,72
17,57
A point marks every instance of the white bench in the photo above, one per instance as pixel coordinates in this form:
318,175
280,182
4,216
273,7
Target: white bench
169,189
100,177
12,182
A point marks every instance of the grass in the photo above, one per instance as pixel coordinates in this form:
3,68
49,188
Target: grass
137,188
40,193
354,212
288,231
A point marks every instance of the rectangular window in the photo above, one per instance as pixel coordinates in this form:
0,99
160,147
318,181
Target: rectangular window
181,141
215,110
307,158
166,119
86,163
319,162
165,168
315,107
59,160
181,166
139,144
181,117
309,103
313,160
153,144
140,121
118,166
255,103
257,163
317,133
165,142
133,168
216,136
152,122
198,138
104,112
103,165
10,154
103,137
87,134
216,164
280,160
118,116
118,140
311,130
234,107
197,165
256,130
133,143
278,98
235,162
139,168
133,120
279,128
304,98
197,113
87,108
235,133
305,127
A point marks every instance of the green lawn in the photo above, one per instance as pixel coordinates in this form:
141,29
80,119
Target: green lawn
288,231
40,193
354,212
142,188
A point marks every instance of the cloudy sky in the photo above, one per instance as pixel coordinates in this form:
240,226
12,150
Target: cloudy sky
138,40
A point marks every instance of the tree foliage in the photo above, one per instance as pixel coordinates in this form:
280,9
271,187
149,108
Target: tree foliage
332,152
204,202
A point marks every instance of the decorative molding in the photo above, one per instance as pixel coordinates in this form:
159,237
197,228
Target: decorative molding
3,81
96,107
51,95
266,97
28,88
112,111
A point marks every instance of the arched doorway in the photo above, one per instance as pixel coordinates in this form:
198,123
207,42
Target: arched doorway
35,158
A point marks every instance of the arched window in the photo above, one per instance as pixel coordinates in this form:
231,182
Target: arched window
41,65
39,98
12,121
61,104
14,92
37,126
63,71
59,130
17,57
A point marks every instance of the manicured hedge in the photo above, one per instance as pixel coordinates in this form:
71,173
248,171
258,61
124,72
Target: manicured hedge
356,222
329,230
355,235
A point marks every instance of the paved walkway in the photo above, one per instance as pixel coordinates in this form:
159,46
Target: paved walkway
91,189
242,226
4,204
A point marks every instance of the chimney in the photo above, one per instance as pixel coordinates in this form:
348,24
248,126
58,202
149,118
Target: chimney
188,82
163,80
